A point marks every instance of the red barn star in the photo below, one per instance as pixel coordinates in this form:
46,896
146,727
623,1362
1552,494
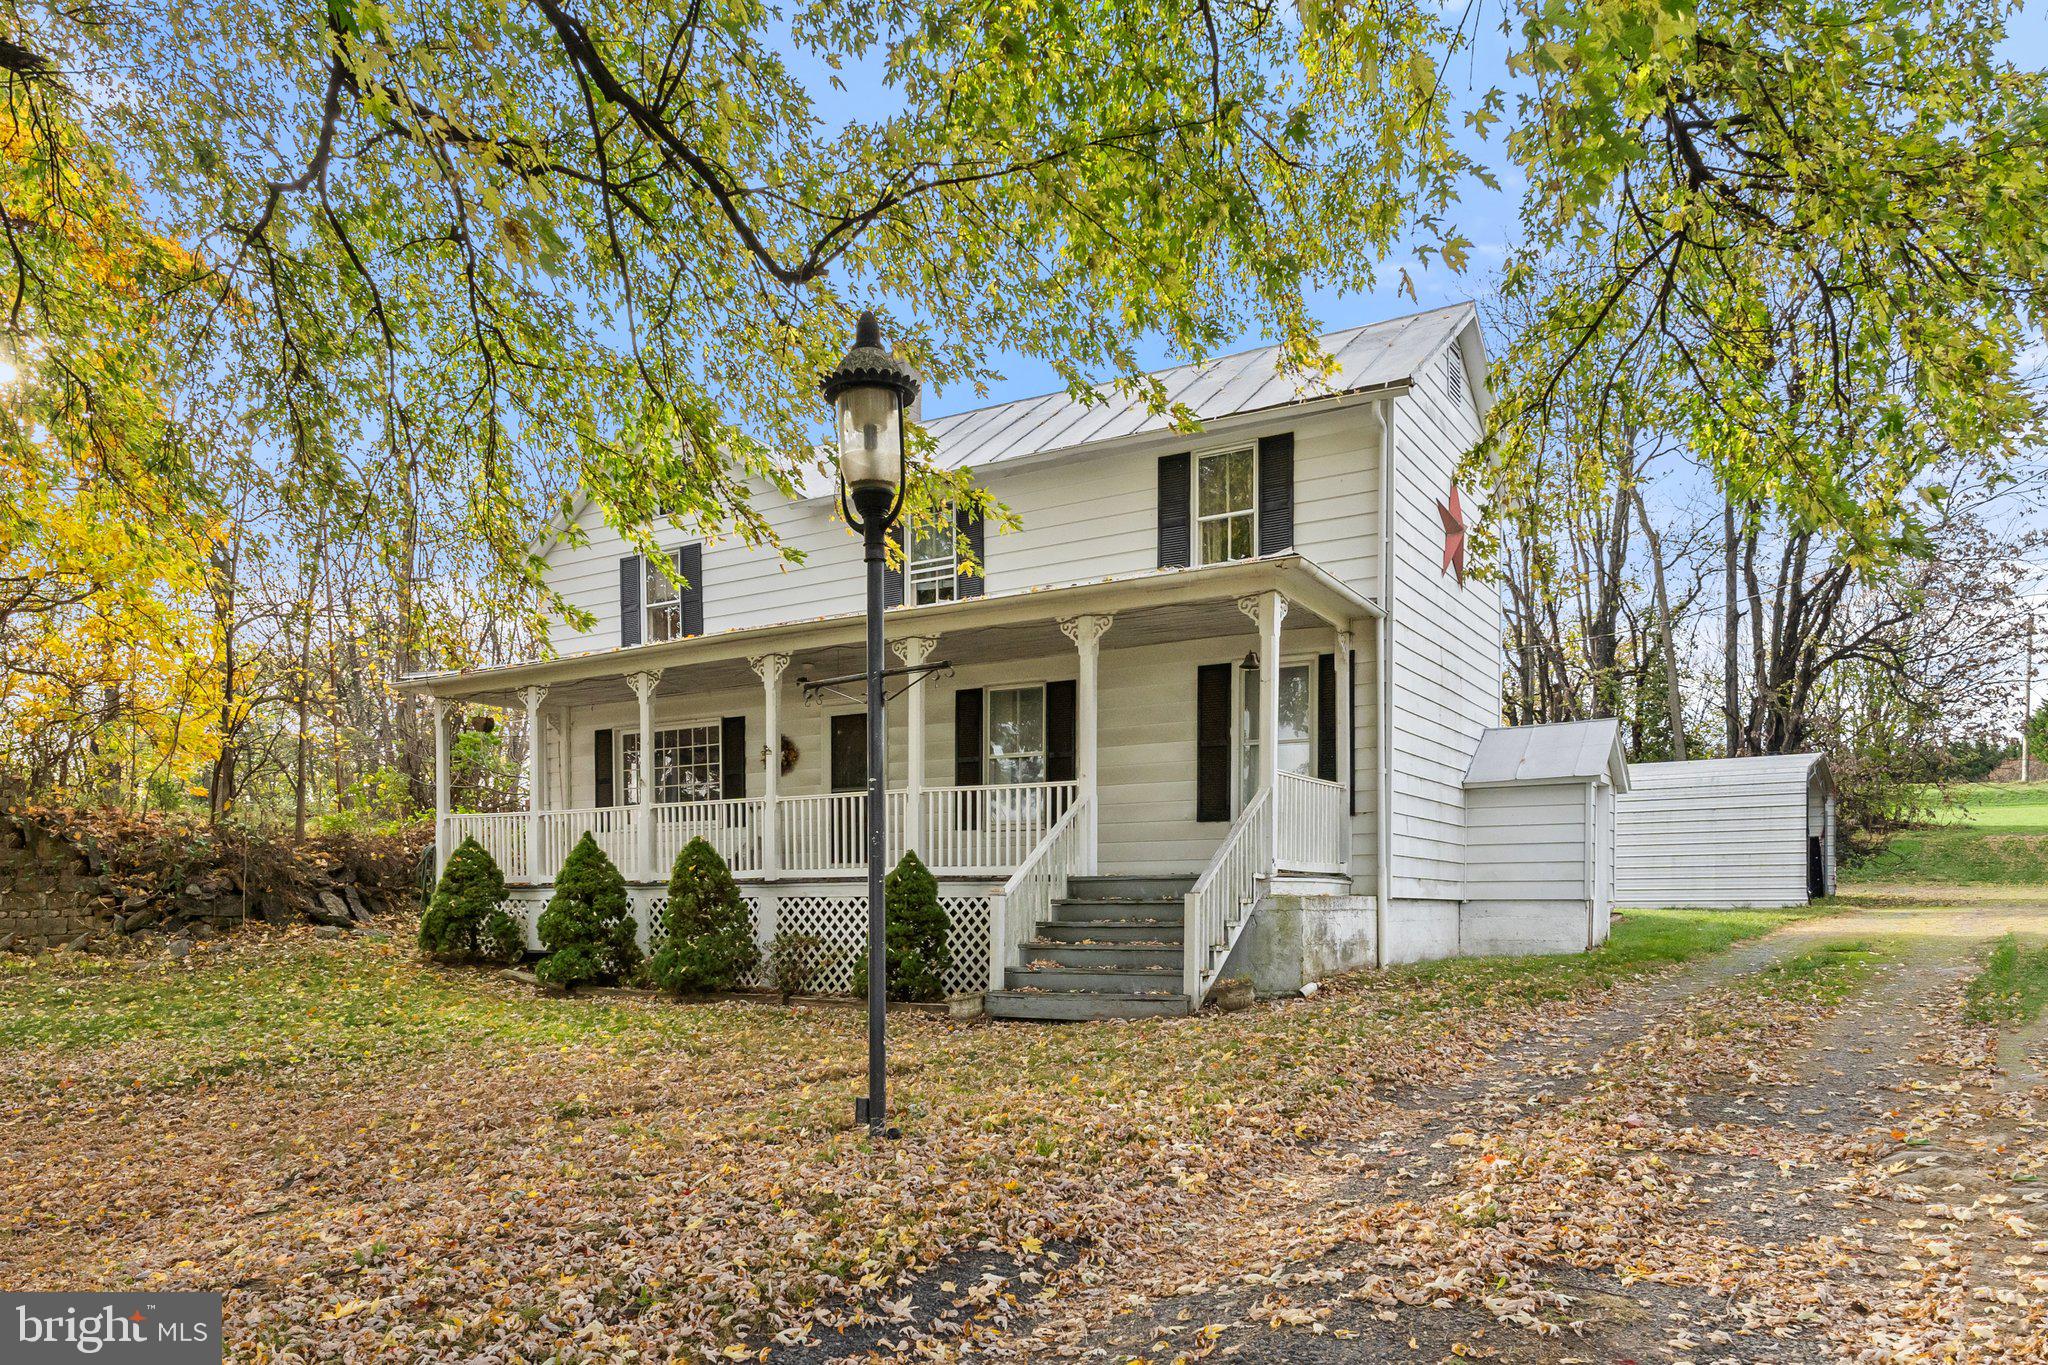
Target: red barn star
1453,516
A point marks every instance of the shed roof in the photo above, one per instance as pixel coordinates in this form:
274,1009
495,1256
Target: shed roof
1753,768
1571,751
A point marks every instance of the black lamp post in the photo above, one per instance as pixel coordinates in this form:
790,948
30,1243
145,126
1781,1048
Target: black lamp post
869,390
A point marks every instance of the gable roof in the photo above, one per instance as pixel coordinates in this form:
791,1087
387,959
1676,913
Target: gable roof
1571,751
1373,356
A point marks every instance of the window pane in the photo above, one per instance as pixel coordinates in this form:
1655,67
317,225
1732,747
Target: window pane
1016,734
660,587
1213,490
1240,462
1240,538
1215,542
1297,737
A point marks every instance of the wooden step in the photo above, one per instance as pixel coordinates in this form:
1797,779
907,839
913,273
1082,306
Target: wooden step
1132,911
1160,955
1108,977
1083,1005
1113,931
1129,888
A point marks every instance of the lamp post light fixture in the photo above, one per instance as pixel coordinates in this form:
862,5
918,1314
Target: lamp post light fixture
870,391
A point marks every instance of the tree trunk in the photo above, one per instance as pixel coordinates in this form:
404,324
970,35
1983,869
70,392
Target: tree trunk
1731,633
1674,696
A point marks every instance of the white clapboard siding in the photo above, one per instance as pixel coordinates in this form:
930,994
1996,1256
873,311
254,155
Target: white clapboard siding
1721,833
1446,648
1527,842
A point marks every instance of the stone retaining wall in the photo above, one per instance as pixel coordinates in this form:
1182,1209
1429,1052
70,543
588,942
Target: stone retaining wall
49,892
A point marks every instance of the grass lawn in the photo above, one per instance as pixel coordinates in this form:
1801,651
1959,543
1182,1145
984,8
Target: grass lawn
380,1158
1991,834
2013,986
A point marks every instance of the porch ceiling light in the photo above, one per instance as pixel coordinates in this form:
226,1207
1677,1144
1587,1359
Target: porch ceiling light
869,390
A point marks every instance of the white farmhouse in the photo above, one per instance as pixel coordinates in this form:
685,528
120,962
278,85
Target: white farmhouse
1214,680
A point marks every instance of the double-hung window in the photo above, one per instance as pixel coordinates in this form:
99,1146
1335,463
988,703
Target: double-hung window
1226,518
932,559
1016,735
664,600
687,764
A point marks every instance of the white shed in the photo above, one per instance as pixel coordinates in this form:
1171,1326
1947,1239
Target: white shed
1539,807
1727,833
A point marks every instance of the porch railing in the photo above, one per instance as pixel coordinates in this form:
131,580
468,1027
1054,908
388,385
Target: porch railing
1313,825
1026,899
733,827
960,831
1221,899
970,830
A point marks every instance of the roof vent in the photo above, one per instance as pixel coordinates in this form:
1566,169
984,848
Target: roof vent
1454,373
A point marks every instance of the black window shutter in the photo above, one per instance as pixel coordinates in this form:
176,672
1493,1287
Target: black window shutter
690,601
1351,721
1326,717
1276,493
1174,543
629,600
967,523
732,757
892,569
967,737
1212,742
1059,730
604,768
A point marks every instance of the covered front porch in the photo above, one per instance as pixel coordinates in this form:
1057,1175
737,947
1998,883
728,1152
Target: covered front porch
1100,727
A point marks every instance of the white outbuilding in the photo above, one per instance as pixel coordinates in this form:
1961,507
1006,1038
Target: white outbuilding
1726,833
1540,825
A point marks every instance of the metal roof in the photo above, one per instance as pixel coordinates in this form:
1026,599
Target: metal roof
1572,751
1753,768
1369,357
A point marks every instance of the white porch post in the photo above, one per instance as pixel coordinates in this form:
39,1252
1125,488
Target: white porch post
643,816
1347,742
1086,632
770,668
913,650
439,708
535,797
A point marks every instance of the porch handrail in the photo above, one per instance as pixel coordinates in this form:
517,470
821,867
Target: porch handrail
1220,902
1015,911
1314,827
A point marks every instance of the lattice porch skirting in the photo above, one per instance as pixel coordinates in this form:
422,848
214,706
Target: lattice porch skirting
835,912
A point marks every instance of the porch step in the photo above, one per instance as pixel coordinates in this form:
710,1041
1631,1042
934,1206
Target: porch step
1112,950
1083,1005
1129,888
1061,977
1073,910
1143,955
1112,931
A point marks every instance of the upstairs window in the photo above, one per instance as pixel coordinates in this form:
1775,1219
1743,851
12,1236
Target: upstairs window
1226,519
664,599
932,559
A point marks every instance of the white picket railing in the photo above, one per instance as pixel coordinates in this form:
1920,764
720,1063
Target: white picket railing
963,831
503,836
973,830
732,827
830,833
1222,897
1026,899
1314,827
561,830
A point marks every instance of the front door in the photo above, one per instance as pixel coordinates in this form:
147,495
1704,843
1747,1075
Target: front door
849,774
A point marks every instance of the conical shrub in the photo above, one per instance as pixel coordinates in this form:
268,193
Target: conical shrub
707,931
466,921
587,928
914,935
